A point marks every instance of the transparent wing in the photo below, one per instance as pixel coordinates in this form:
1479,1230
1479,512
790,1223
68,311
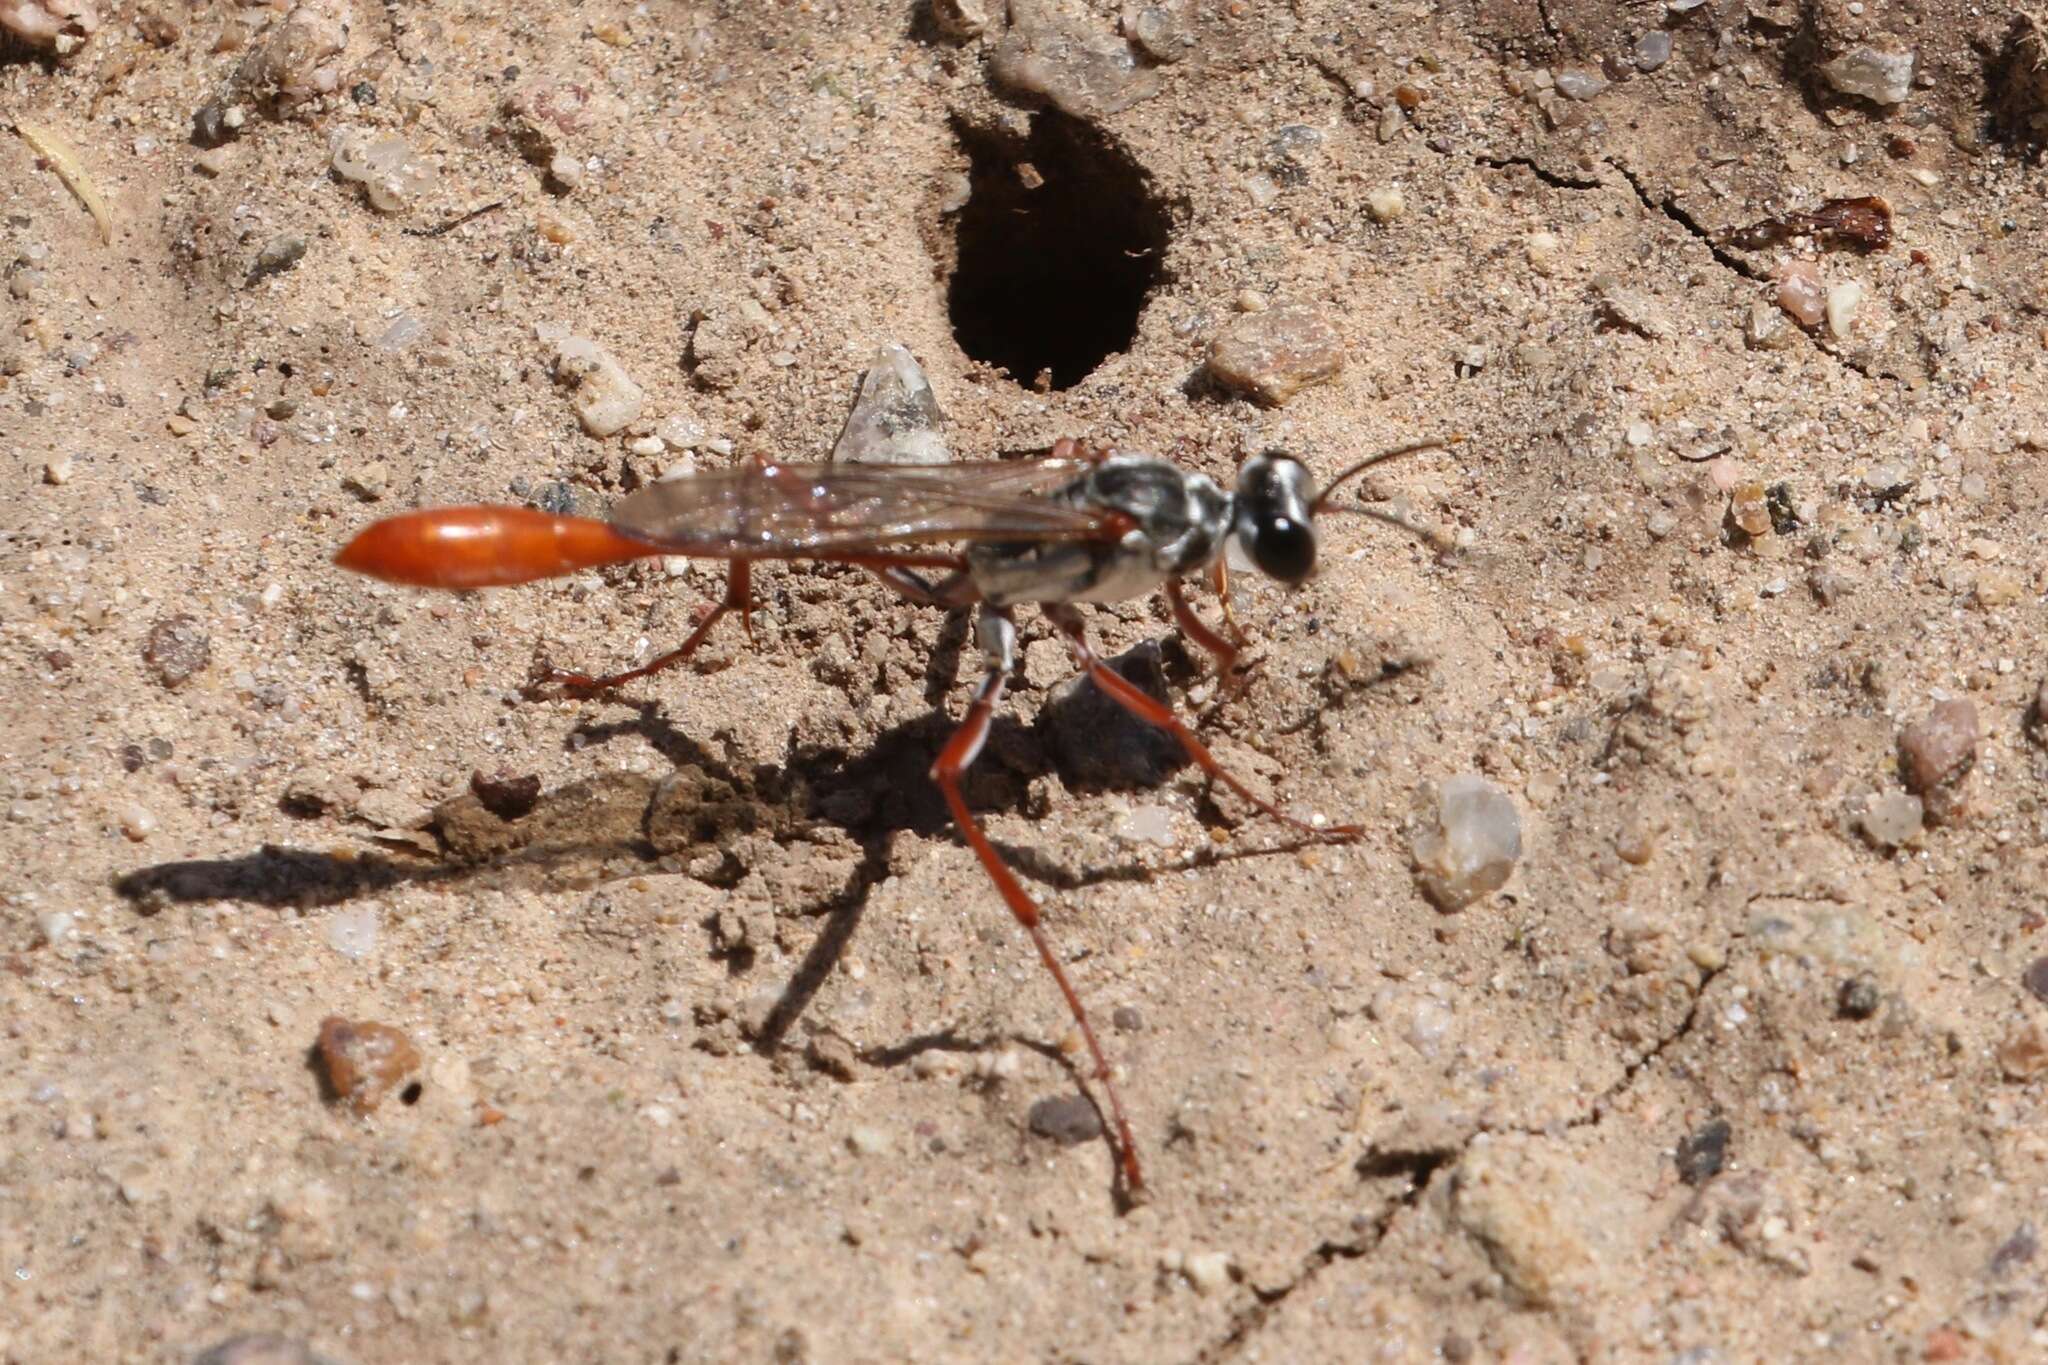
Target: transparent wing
772,511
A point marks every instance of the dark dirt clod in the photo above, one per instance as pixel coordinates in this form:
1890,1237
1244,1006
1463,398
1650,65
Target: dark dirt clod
504,795
1703,1152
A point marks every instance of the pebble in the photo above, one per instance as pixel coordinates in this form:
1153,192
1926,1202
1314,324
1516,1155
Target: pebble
2023,1052
1858,998
1207,1271
681,431
1385,205
1936,754
58,472
645,446
895,417
868,1142
1471,846
1273,355
137,822
214,161
1843,301
177,650
1891,819
1880,74
1147,824
1158,31
261,1348
1703,1152
1575,84
2035,979
1066,1119
55,926
961,20
59,24
385,165
2037,714
1080,71
352,931
278,255
1800,293
1635,309
1652,50
1749,508
833,1055
363,1062
604,396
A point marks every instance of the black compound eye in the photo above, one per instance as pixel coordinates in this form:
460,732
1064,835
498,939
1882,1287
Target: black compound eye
1285,549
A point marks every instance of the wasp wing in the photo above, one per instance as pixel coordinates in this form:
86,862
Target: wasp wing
774,511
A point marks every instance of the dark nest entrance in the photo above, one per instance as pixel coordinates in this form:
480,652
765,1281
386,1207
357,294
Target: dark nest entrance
1058,247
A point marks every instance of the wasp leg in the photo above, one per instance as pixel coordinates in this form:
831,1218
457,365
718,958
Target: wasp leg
1227,653
738,597
998,638
1127,695
1219,579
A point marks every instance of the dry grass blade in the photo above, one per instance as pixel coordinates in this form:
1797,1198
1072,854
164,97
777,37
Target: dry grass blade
64,160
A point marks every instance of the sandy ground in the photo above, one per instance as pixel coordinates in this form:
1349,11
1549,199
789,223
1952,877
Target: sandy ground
729,1050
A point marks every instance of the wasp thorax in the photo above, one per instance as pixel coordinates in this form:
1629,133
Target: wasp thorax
1275,516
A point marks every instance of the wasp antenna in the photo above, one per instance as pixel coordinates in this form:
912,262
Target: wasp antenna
1434,443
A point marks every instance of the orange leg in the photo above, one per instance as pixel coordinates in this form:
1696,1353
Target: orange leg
1196,629
738,597
1127,695
998,639
1219,579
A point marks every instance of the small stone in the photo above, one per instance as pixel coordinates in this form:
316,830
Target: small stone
1891,820
1207,1271
58,472
1470,847
1147,824
895,418
363,1062
1272,356
1580,85
2035,978
1880,74
53,927
681,431
370,483
260,1348
352,931
278,255
1843,301
1703,1152
2023,1052
1858,998
1935,756
1749,509
645,446
605,398
1800,293
507,795
868,1142
1635,309
137,822
1127,1019
1543,249
961,20
177,650
2037,714
1652,50
1079,70
832,1055
1385,205
214,161
1158,31
1765,329
392,175
1066,1119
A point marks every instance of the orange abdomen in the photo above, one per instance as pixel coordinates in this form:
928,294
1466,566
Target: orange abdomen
484,547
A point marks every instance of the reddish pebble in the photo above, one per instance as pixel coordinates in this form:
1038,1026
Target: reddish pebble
363,1062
